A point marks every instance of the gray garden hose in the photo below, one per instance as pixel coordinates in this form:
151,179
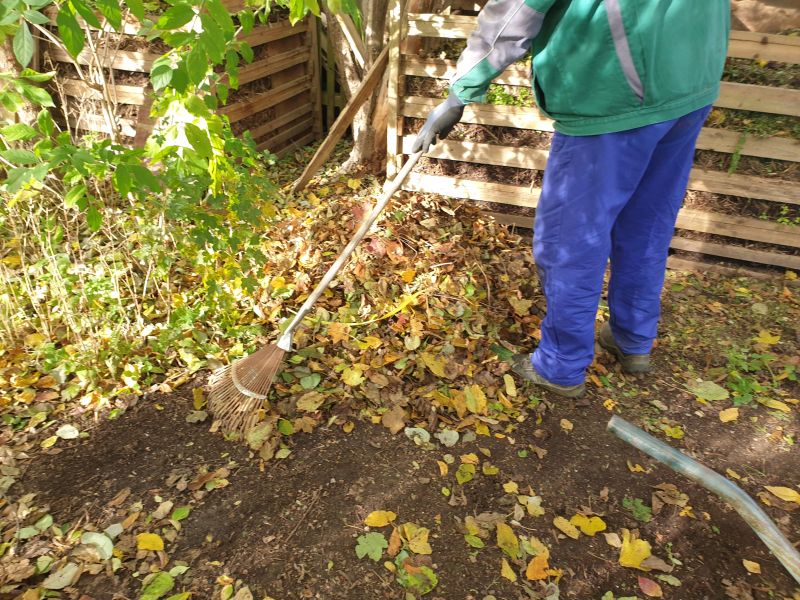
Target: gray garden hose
723,487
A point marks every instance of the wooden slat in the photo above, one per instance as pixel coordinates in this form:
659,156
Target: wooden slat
747,186
763,46
744,228
723,140
503,193
122,60
279,138
245,108
272,64
92,122
718,182
123,94
743,96
316,79
273,32
483,114
273,124
298,143
737,253
439,68
677,263
394,127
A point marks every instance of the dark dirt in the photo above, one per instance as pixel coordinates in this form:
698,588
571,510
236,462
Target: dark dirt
289,528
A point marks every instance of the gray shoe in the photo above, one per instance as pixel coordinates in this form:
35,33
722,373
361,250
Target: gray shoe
631,363
521,365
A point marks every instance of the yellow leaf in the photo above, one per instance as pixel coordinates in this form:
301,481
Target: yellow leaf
475,399
34,340
49,441
348,426
507,540
633,551
408,275
784,493
354,184
198,398
277,282
729,414
537,568
149,541
338,332
511,487
766,338
353,376
775,404
566,527
636,468
751,566
443,468
435,364
416,537
609,404
733,474
511,386
588,525
507,572
489,469
470,459
566,425
379,518
369,341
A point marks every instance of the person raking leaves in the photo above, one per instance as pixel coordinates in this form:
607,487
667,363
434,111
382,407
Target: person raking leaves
628,84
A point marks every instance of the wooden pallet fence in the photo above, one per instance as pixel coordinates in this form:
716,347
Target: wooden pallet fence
735,96
278,100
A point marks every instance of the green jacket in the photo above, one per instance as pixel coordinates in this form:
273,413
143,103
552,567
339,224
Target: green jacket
601,66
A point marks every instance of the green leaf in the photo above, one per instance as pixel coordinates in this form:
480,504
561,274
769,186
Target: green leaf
45,123
309,382
465,473
110,9
23,45
20,157
372,545
501,352
246,51
181,596
137,8
196,65
246,20
198,139
638,509
86,12
70,31
74,195
144,178
18,132
221,16
158,586
34,16
180,513
708,390
474,541
37,77
37,95
212,39
175,17
122,179
93,218
285,427
160,75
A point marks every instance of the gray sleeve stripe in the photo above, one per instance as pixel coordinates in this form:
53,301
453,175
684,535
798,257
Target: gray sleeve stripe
622,47
505,29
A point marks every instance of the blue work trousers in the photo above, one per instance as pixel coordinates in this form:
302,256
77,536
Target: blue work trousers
613,196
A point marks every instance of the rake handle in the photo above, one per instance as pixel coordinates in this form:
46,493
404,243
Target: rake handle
285,341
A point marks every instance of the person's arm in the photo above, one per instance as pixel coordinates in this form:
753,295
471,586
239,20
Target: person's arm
503,35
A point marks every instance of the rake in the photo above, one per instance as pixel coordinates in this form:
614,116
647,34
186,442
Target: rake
237,391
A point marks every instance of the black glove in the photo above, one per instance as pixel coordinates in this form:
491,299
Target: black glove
439,123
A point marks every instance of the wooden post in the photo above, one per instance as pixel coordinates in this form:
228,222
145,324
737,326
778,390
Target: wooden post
395,122
316,91
330,82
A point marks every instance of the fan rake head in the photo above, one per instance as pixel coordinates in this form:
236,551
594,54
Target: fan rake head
237,391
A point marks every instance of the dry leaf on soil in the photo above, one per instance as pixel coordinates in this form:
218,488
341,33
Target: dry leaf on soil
633,551
379,518
588,525
650,587
784,493
566,527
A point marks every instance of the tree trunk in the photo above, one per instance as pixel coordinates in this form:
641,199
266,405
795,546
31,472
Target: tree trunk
369,124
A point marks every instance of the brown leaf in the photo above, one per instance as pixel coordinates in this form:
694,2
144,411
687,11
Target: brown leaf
121,496
650,587
394,420
394,543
